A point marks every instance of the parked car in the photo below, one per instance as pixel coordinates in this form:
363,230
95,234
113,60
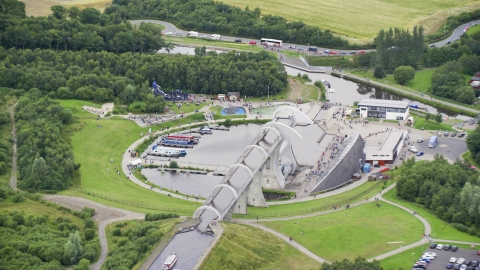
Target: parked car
456,266
433,245
460,260
169,33
300,48
432,45
430,257
448,42
453,259
463,267
421,266
446,133
425,260
453,134
413,149
419,140
440,246
475,263
204,36
253,42
449,265
352,53
333,52
421,153
467,262
430,253
343,52
179,34
454,248
439,134
461,135
447,247
361,52
238,40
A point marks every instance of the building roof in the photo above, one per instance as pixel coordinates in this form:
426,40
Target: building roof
389,143
383,103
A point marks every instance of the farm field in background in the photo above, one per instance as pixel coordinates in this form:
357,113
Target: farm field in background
363,19
42,7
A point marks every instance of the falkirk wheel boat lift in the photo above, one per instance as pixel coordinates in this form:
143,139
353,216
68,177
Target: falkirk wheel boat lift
260,165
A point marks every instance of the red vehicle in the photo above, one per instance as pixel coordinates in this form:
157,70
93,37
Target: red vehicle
361,52
253,42
384,170
333,52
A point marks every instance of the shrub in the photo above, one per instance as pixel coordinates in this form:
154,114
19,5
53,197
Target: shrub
18,198
117,232
173,164
89,234
89,224
159,216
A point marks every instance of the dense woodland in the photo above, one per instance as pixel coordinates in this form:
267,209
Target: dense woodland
473,143
45,160
217,17
5,141
450,191
74,29
41,242
127,78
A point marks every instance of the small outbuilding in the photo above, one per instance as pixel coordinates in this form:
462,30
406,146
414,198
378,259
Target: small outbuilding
135,163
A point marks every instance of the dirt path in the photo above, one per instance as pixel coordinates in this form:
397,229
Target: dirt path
104,215
13,176
107,107
296,90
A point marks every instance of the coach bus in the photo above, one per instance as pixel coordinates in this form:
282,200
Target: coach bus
271,42
433,141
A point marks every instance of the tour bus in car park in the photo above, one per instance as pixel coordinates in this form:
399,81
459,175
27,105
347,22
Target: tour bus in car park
433,141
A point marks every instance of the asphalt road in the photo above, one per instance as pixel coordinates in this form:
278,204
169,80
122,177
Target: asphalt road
174,30
456,33
451,147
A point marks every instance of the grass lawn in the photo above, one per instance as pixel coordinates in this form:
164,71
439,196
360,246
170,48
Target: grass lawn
293,209
420,122
93,149
421,82
473,29
364,231
116,242
37,208
185,107
468,157
440,229
199,42
246,247
351,18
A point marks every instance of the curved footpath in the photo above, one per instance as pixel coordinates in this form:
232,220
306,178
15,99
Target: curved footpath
169,27
104,215
427,230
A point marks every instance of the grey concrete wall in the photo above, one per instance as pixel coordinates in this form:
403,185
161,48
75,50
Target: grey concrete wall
345,168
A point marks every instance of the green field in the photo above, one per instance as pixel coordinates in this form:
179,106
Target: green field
301,208
420,123
352,18
246,247
440,229
93,149
421,82
364,231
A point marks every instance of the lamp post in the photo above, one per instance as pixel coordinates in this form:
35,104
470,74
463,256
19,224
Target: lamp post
210,25
167,13
318,36
268,93
412,256
263,29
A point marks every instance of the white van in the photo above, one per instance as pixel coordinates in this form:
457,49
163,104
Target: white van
192,34
215,36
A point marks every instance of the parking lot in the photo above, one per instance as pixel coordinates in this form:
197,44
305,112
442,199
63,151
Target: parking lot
449,147
443,257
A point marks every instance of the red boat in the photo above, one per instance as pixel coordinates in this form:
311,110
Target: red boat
169,262
181,137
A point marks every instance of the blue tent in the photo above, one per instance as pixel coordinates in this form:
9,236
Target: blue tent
366,167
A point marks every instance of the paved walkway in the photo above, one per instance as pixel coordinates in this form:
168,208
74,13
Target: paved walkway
418,95
13,175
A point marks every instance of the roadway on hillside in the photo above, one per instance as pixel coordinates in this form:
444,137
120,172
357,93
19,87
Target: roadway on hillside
171,28
13,176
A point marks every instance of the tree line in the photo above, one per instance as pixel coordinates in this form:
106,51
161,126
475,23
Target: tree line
45,159
127,78
450,191
217,17
75,29
473,143
5,124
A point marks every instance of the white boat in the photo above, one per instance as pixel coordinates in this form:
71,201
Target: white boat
331,90
205,130
169,262
168,152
